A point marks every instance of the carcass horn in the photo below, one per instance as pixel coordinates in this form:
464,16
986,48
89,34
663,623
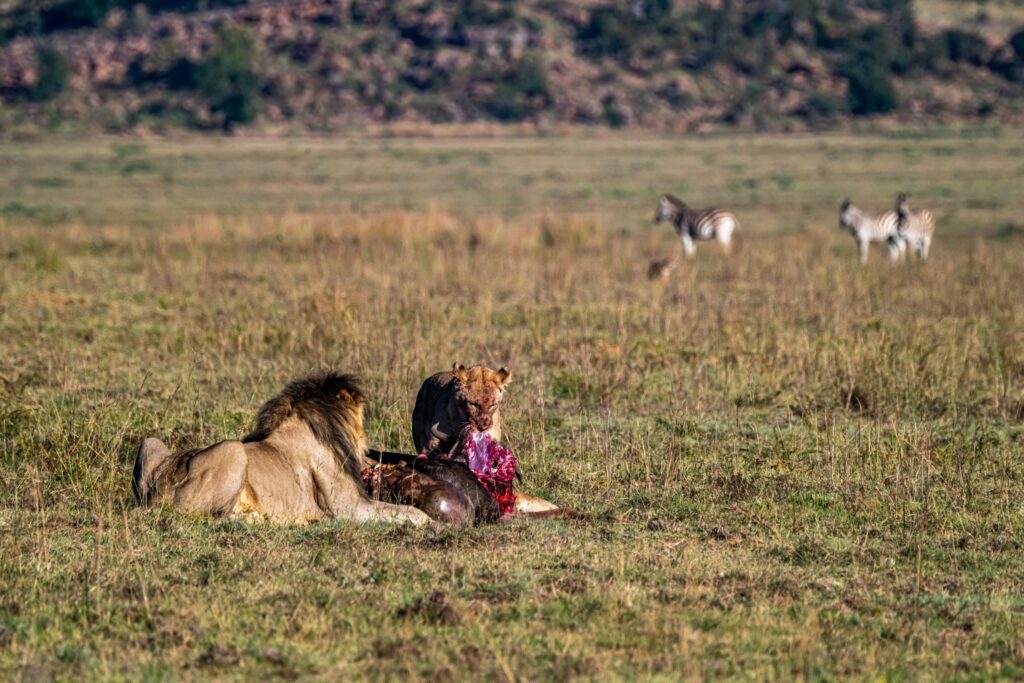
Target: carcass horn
435,429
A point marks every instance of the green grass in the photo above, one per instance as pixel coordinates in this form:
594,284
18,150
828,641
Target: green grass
794,466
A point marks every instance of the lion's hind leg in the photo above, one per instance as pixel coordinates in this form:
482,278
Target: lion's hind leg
215,478
152,452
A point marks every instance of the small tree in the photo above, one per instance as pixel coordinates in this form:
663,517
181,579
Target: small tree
227,80
1017,42
870,91
75,14
53,75
964,46
868,67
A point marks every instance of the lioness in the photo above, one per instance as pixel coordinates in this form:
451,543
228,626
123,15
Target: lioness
301,463
450,403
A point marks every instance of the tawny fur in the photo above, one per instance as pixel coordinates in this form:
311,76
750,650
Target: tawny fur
300,464
450,403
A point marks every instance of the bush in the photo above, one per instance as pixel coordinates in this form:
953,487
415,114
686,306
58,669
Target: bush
613,115
53,75
1017,43
626,30
227,80
506,104
607,33
530,77
870,91
76,14
820,107
435,108
966,47
483,13
932,53
520,92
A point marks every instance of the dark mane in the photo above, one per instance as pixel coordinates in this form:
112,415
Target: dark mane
676,200
328,404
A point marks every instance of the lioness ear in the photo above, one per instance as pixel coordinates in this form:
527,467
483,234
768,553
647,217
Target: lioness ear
459,370
504,375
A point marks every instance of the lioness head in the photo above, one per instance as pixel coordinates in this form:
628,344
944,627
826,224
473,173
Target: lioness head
478,391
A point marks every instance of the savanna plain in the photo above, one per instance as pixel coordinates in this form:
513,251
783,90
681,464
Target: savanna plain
793,466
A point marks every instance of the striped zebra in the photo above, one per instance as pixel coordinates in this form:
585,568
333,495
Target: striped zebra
696,224
915,228
866,229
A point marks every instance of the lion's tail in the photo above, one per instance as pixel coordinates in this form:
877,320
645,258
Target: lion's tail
152,452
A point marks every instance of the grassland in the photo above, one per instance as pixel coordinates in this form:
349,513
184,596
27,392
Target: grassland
795,467
997,19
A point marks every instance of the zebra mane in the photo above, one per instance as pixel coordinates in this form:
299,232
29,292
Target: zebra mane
675,201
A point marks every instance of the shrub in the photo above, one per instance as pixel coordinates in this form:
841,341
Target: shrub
530,77
506,103
435,108
932,53
870,91
626,30
483,13
53,75
820,106
520,92
613,115
227,80
867,64
607,33
963,46
75,14
1017,43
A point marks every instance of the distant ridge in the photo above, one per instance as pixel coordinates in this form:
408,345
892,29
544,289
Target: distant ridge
334,65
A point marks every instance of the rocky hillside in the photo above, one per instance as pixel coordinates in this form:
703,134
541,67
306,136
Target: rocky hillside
317,65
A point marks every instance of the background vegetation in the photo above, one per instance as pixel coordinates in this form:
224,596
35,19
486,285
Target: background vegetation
681,65
795,467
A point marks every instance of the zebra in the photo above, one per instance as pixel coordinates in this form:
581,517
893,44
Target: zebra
696,224
867,229
915,227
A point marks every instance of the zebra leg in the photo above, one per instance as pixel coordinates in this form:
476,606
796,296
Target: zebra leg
862,251
894,249
904,249
688,245
922,251
725,239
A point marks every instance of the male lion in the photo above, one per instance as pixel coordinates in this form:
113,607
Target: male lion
301,463
450,404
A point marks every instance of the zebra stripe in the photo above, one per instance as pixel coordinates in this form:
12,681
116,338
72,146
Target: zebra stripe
915,227
867,228
694,225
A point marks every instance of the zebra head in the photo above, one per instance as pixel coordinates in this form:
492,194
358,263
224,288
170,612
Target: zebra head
902,214
901,204
665,209
845,219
